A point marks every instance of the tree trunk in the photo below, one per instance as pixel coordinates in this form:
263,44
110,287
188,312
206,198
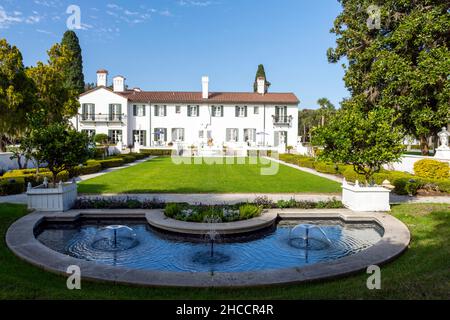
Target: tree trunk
424,145
54,179
2,143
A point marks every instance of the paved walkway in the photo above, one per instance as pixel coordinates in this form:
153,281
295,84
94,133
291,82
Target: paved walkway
312,171
101,173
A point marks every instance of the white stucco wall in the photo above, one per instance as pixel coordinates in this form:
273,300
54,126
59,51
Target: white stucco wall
102,98
407,162
262,122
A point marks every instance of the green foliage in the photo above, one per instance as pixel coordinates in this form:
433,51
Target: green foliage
261,73
326,167
367,140
75,77
56,98
405,186
61,148
156,152
111,163
16,93
101,138
11,186
249,211
432,169
306,162
173,209
404,65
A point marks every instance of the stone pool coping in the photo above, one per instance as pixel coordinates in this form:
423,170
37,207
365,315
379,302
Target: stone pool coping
21,240
157,219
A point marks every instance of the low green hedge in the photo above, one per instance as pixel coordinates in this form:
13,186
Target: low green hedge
156,152
12,186
111,163
325,167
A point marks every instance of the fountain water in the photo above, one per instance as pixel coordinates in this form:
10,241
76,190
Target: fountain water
309,237
115,238
212,235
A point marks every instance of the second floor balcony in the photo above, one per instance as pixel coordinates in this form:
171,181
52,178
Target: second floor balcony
102,117
282,120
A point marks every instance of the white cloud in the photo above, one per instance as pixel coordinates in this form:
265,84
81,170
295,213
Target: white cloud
48,3
44,31
195,3
8,19
165,13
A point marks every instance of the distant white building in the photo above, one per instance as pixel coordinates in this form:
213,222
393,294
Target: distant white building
156,119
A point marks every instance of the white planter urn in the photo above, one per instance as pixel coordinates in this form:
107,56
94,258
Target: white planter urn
46,199
361,198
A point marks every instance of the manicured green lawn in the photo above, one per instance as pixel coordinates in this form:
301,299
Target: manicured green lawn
161,175
423,272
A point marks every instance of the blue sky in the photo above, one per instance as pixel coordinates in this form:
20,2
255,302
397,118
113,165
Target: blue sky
170,44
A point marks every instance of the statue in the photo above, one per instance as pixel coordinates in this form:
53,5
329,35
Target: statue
443,152
443,139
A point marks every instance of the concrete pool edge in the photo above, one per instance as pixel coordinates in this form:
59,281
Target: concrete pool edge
20,238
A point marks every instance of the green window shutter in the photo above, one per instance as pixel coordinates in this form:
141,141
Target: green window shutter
111,115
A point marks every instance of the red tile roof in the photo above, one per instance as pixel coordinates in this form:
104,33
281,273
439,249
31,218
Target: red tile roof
196,97
214,97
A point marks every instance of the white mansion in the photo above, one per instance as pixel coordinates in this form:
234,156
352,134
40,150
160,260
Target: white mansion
158,119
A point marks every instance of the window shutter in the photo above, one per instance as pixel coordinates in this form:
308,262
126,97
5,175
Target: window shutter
237,134
245,111
221,111
156,111
119,109
277,139
165,134
198,111
165,111
237,111
228,135
134,110
111,115
189,111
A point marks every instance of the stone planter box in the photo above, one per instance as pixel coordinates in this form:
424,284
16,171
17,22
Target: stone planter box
362,198
61,198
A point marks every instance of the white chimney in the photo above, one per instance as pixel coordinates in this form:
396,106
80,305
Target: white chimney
205,87
119,84
102,78
261,83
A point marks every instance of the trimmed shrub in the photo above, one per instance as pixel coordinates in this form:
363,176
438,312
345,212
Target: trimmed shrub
127,158
156,152
350,175
405,186
431,169
325,167
16,173
306,162
111,163
138,156
12,186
